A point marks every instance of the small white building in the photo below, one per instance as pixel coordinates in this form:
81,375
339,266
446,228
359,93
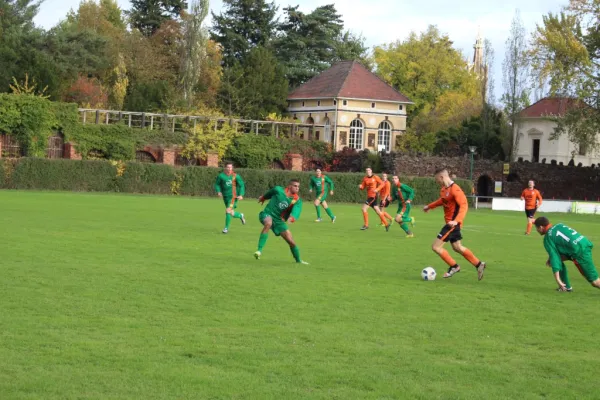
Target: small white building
533,129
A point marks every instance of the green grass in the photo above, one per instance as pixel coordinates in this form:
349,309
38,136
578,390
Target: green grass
121,297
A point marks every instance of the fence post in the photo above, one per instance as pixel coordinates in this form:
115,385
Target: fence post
97,116
143,120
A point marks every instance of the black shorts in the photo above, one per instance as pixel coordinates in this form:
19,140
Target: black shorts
371,201
384,203
450,233
530,213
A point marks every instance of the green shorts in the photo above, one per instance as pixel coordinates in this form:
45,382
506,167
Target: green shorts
322,197
227,201
406,215
585,264
278,225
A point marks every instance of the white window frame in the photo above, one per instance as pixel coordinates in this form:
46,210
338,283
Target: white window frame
384,135
356,137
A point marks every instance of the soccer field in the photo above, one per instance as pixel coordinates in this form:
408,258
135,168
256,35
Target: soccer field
122,297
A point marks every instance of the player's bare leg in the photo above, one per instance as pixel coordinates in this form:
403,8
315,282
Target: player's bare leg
382,218
264,235
287,236
328,211
438,248
469,256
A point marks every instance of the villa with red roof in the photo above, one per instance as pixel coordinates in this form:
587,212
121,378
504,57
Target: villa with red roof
534,127
350,107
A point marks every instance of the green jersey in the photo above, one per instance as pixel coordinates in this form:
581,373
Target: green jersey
321,186
402,193
230,185
282,206
560,240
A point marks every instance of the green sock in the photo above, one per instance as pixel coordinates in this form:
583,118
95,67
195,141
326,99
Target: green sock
227,220
296,253
237,215
564,276
404,227
318,211
330,213
262,241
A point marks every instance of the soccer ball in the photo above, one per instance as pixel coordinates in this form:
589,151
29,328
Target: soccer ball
428,274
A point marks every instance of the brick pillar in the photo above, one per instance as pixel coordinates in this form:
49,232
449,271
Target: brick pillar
296,161
168,156
212,160
0,149
70,152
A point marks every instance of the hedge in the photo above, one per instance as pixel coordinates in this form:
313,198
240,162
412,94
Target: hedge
134,177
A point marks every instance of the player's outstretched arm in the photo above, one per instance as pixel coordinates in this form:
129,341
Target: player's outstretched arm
296,211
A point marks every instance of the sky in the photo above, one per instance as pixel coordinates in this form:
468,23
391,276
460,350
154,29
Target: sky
386,21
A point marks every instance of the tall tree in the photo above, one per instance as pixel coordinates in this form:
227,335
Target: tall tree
566,56
351,47
308,42
195,40
515,76
243,25
255,88
149,15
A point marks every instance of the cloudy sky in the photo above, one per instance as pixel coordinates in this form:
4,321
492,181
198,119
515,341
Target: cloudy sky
385,21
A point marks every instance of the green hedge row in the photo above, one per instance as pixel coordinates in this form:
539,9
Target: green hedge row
133,177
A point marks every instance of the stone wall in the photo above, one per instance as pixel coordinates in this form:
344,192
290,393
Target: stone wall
553,181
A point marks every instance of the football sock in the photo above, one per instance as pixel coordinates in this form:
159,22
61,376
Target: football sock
564,276
468,254
330,213
237,215
227,220
388,216
366,218
529,227
447,258
296,253
318,211
383,220
404,227
262,241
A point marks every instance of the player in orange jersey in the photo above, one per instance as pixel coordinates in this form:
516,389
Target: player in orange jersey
455,209
533,200
385,198
371,183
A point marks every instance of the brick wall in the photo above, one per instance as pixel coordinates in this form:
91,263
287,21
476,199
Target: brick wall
553,181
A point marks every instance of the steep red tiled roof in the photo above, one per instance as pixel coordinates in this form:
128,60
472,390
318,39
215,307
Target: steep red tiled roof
348,79
550,107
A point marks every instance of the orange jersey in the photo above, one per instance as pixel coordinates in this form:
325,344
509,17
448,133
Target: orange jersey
384,190
454,201
371,183
532,197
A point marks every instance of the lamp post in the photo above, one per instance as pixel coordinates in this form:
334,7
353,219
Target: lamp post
472,151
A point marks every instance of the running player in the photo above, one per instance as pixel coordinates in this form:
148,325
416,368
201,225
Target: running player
454,201
385,199
563,243
405,195
230,186
322,185
284,207
370,182
533,200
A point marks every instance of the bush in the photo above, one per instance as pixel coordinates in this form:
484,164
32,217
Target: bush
133,177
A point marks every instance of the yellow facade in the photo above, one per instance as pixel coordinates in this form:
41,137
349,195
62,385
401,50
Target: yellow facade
359,124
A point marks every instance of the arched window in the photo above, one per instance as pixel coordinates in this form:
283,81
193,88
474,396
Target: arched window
384,136
356,135
327,133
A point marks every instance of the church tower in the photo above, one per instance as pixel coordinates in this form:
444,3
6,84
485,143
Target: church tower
479,65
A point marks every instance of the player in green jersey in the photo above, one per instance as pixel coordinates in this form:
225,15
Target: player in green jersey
284,207
564,243
230,186
405,195
322,185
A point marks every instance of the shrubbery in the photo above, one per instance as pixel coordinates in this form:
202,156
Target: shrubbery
133,177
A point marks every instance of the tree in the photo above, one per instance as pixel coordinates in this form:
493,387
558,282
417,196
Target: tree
515,74
243,25
149,15
351,47
255,88
566,56
424,67
307,43
194,48
208,138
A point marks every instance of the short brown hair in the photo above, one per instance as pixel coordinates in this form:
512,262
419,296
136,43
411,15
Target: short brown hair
541,221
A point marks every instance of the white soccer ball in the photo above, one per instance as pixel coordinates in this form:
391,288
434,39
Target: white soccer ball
428,274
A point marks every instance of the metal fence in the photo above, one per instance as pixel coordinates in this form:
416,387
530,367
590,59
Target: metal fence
174,123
